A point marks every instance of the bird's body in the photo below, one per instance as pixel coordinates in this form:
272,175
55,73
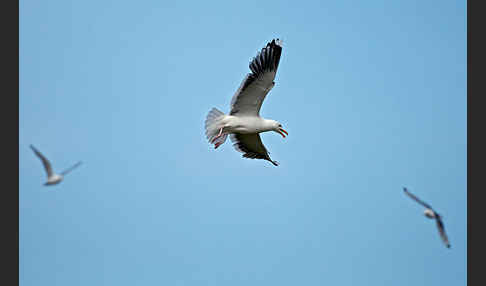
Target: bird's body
52,177
246,124
243,122
430,213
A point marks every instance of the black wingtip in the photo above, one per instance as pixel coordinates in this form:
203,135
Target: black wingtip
267,59
34,149
275,42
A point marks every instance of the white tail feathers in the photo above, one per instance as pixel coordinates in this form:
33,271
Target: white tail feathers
213,127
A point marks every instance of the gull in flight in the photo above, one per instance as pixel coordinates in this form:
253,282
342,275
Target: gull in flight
244,123
430,213
52,178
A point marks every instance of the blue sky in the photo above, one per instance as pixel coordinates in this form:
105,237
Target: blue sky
372,93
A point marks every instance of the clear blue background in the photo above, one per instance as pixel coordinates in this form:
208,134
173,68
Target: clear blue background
372,93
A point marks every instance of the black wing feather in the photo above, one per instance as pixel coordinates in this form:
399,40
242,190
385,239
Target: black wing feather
45,161
417,199
251,146
263,68
441,228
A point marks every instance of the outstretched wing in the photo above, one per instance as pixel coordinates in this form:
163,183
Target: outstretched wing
251,146
45,162
249,97
442,232
416,199
71,168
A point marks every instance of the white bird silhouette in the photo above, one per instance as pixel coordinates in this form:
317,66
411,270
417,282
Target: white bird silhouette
430,213
52,177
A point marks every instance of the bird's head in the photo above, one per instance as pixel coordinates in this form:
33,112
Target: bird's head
277,127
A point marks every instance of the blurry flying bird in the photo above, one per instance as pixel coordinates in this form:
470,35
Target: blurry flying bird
432,214
52,178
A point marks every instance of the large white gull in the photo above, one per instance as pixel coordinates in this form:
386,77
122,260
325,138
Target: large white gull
52,177
432,214
244,123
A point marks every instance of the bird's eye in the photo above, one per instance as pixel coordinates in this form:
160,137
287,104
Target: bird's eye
280,125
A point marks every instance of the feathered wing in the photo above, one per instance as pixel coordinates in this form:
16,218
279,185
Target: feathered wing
45,162
251,146
249,97
416,199
442,232
71,168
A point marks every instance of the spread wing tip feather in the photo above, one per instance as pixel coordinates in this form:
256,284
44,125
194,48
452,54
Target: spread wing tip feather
267,59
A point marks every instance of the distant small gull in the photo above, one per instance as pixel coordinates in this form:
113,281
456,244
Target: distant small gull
244,122
430,213
52,178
